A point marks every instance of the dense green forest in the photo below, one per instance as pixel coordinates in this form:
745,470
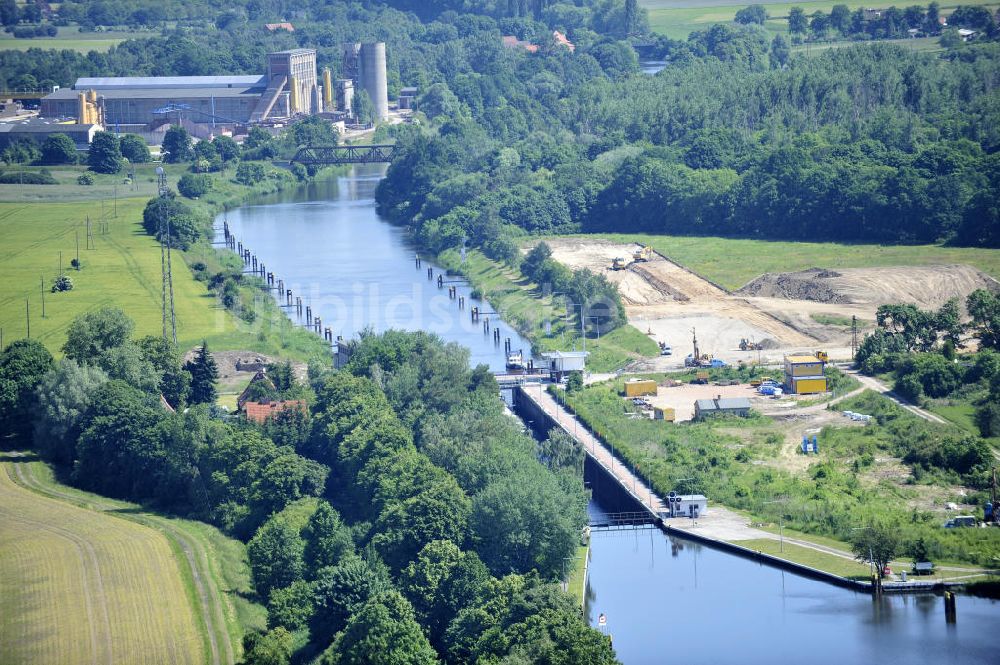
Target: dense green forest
404,502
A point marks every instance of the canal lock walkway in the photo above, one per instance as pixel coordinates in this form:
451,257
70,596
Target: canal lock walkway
719,525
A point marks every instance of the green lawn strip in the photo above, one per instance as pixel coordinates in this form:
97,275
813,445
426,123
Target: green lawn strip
732,262
829,563
960,413
520,304
677,21
578,573
221,560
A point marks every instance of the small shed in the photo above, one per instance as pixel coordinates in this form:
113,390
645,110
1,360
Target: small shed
686,505
721,406
562,362
639,387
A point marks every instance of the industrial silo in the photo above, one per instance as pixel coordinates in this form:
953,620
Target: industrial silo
373,77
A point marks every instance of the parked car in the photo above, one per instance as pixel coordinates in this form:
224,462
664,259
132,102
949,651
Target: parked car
960,521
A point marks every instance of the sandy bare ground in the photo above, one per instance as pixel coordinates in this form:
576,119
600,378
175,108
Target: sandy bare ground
667,301
928,287
681,398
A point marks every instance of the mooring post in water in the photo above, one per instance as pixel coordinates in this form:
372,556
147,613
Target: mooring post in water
281,286
318,324
430,273
298,303
288,297
241,247
950,615
416,260
440,281
309,313
474,314
461,302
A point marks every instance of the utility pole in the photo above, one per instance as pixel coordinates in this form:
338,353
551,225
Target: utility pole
781,523
167,286
27,316
41,282
854,336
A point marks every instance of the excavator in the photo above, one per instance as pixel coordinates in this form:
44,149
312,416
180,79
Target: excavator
643,254
618,263
750,345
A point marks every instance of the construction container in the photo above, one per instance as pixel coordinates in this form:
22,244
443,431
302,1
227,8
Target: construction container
803,366
665,413
701,377
807,385
640,387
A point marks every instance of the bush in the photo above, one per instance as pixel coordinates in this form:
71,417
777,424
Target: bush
62,283
85,179
194,185
105,155
249,174
27,178
134,148
58,149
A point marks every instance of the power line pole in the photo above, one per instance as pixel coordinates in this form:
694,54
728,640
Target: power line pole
41,283
167,286
854,336
27,316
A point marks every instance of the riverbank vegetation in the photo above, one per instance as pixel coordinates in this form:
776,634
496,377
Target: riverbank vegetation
897,469
403,502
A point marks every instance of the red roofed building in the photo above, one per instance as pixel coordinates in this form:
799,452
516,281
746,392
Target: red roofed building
274,27
258,412
510,41
561,40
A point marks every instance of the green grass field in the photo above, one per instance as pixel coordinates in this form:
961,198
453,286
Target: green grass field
678,18
123,269
518,301
79,586
734,262
71,38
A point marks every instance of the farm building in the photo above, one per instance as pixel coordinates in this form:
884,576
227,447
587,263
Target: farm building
721,406
804,375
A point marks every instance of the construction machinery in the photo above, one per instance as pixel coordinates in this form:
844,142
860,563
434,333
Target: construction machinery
645,253
823,355
618,263
697,359
750,345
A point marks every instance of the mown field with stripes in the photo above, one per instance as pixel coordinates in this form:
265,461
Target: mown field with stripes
85,579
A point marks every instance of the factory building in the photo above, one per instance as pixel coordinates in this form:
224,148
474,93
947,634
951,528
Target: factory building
203,104
37,131
364,66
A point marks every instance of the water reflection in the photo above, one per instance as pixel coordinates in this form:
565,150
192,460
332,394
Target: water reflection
355,271
668,600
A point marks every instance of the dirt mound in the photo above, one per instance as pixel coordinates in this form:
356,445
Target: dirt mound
805,285
768,344
925,286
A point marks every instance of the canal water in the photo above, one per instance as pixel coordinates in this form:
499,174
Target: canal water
666,600
356,271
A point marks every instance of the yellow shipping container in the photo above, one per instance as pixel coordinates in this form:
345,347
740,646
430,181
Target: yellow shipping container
639,387
803,366
808,386
666,413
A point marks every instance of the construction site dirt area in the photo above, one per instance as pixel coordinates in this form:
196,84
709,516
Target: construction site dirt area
682,398
786,313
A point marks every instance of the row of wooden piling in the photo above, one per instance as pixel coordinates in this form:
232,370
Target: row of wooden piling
253,266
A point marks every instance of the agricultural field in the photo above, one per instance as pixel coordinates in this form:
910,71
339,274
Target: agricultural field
71,38
78,586
122,269
679,18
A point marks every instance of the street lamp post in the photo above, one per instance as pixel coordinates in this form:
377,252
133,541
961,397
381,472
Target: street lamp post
781,523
